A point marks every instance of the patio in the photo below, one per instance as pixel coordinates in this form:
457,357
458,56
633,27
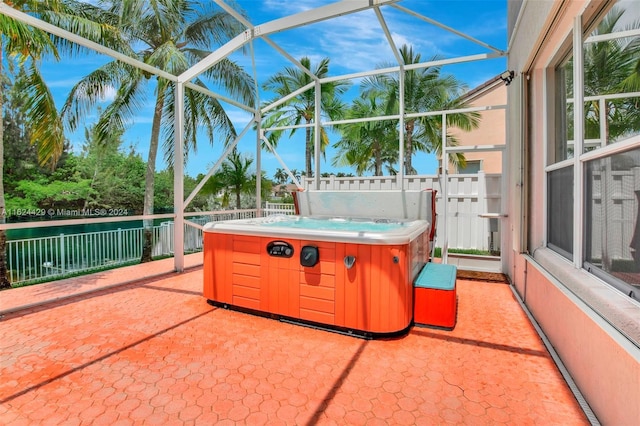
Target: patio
141,345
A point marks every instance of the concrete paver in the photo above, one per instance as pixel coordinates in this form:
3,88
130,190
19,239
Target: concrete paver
34,295
155,352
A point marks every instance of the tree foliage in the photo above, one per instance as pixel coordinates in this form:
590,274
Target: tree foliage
97,178
237,179
368,146
171,36
612,67
301,109
425,89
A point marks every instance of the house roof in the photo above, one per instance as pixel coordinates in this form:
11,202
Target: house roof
487,86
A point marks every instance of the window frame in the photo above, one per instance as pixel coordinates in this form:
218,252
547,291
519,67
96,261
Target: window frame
574,47
466,171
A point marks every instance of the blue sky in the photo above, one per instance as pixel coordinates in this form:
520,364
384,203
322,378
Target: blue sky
353,43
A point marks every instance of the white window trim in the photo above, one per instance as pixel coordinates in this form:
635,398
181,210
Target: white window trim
578,142
580,158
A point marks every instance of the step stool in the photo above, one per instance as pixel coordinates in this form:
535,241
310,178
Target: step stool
434,296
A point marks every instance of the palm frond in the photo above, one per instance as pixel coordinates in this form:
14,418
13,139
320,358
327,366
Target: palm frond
212,27
23,41
168,57
235,80
42,116
121,112
93,88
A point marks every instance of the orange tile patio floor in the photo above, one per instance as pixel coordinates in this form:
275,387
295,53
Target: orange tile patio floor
153,351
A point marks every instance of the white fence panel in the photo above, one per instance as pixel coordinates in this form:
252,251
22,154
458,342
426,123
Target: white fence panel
37,258
612,197
469,196
279,208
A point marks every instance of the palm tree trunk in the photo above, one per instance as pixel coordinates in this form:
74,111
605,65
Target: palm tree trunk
408,151
4,279
147,224
308,150
377,153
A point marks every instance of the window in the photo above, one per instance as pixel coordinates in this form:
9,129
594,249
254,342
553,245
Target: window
563,143
606,154
560,211
472,167
612,225
560,180
612,78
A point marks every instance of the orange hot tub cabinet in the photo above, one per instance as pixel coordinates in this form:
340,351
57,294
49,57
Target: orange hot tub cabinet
373,297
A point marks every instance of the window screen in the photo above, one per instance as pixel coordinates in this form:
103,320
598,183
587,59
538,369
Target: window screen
562,148
560,211
612,242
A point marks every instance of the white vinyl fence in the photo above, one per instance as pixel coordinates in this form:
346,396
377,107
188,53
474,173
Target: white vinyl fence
470,195
613,197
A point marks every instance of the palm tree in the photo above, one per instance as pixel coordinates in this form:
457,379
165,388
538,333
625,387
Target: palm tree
425,89
612,67
24,47
298,174
369,145
236,176
280,176
301,108
172,36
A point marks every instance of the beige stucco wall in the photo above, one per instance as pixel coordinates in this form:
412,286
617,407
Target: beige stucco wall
603,364
569,304
491,130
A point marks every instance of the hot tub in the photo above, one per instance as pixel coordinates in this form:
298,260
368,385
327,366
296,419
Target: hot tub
347,274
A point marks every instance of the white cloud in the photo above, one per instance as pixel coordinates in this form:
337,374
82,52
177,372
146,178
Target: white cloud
67,83
288,7
400,39
108,94
357,42
239,118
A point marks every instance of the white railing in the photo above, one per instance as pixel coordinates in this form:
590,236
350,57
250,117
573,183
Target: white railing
278,208
37,259
33,259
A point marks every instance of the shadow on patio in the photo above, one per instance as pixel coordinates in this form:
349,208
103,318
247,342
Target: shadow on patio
154,351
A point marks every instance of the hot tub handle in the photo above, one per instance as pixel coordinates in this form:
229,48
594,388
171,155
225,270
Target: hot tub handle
349,261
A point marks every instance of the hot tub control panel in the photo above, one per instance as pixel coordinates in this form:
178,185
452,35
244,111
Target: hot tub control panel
280,249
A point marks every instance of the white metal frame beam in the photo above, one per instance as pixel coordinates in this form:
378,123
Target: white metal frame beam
262,31
447,28
178,183
322,13
282,163
57,31
217,165
307,17
289,57
216,56
578,131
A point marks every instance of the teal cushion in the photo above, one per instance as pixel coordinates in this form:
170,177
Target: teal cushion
437,276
